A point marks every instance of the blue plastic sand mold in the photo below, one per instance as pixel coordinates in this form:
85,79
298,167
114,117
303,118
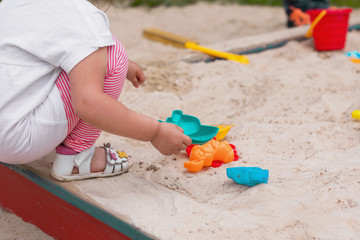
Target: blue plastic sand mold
353,54
249,176
198,133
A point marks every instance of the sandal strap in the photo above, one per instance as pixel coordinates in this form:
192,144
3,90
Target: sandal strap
83,160
116,161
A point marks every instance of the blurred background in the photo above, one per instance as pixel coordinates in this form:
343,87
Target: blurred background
154,3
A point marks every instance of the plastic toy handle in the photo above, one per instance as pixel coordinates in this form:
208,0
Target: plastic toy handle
223,130
234,57
314,23
355,114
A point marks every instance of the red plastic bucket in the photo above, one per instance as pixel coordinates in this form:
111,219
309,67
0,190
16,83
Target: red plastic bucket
330,32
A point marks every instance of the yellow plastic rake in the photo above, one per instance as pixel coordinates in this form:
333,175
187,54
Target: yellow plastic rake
178,41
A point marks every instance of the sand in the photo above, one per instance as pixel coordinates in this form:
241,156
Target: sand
291,107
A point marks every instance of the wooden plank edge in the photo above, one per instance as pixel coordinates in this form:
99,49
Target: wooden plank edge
257,43
56,211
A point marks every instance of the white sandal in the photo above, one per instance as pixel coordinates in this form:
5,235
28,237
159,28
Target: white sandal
66,160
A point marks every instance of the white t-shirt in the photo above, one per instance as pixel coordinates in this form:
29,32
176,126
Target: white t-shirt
39,38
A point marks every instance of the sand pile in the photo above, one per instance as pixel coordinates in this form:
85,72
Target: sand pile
291,109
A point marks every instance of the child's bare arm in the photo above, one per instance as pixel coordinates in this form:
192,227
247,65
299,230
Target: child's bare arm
106,113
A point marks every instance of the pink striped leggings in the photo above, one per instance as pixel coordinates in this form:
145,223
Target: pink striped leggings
80,135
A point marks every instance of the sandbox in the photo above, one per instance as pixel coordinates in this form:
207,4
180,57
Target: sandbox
291,107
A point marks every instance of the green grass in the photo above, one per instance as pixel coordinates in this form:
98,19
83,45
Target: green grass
154,3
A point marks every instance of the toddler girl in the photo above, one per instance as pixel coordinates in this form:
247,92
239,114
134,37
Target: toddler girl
61,73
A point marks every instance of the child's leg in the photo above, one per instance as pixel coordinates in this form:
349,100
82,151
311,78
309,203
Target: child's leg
37,134
81,135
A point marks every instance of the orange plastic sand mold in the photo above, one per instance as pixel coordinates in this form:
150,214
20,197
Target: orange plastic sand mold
355,60
204,155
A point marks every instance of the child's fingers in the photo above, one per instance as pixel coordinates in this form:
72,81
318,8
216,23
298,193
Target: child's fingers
141,77
187,141
179,128
184,146
136,83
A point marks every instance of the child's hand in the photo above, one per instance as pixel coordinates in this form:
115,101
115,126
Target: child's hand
135,74
170,139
